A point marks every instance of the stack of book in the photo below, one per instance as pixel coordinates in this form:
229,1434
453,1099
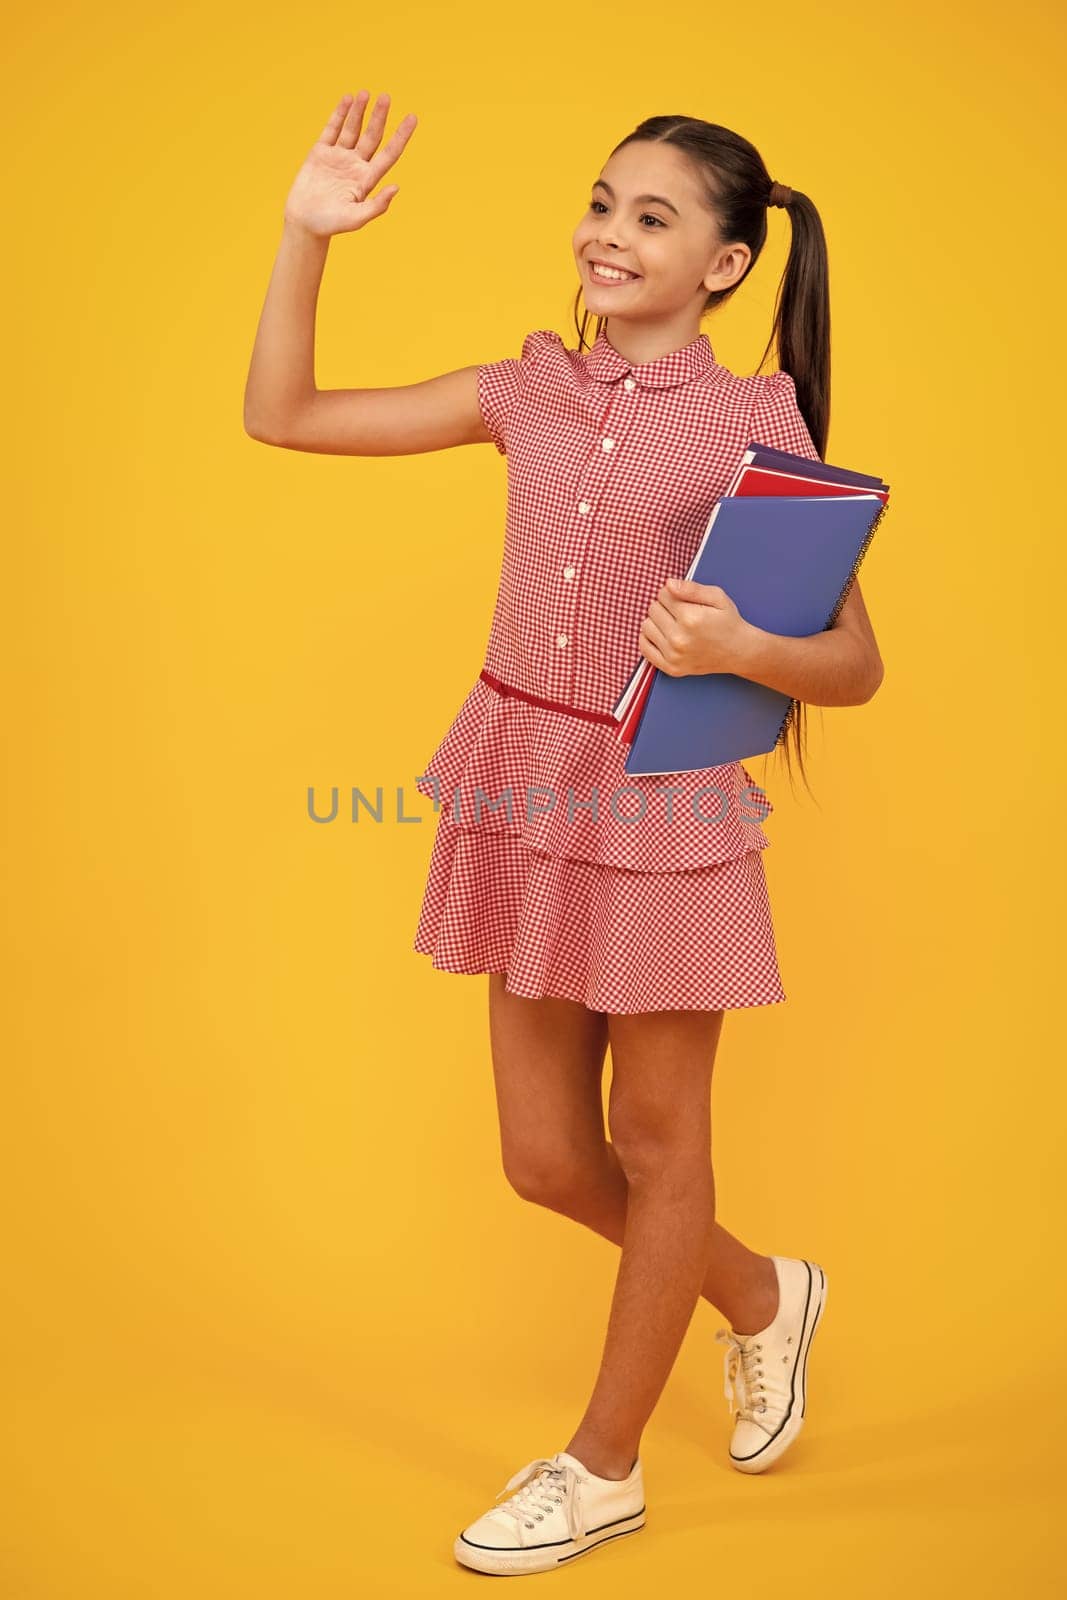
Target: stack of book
785,542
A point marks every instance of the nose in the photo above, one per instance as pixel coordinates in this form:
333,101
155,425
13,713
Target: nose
611,236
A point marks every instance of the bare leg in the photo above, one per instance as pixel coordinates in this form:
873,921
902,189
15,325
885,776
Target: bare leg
739,1282
660,1119
550,1053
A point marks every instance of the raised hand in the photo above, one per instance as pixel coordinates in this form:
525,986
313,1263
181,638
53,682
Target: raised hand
332,191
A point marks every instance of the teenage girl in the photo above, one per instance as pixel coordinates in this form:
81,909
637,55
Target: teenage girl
605,909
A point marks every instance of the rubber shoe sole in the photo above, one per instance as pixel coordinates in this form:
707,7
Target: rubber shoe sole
543,1558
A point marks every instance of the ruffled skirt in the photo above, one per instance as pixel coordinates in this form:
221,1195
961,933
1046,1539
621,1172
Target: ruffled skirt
611,938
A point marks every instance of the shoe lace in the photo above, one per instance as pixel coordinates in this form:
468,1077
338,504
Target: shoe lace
743,1375
542,1485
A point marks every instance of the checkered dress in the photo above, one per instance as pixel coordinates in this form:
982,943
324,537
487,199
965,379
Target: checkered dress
550,863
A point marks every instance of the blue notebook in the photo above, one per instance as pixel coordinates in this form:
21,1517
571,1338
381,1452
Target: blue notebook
786,561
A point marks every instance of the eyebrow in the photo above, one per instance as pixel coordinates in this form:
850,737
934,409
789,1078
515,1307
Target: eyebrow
642,199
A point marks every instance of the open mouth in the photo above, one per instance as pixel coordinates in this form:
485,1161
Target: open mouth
609,278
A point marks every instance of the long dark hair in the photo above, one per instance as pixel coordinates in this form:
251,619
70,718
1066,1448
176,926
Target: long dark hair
738,189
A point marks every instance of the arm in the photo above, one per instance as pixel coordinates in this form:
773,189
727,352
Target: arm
282,405
841,666
696,627
281,375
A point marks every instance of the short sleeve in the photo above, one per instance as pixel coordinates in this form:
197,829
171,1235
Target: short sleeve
776,418
498,389
501,384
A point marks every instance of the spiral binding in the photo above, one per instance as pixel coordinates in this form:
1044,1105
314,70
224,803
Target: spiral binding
790,711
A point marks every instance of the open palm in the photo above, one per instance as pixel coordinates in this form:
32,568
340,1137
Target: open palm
332,191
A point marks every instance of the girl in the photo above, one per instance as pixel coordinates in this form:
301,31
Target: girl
605,909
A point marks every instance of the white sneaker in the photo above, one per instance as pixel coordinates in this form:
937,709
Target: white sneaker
766,1371
560,1510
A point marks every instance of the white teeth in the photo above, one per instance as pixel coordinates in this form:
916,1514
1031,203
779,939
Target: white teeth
611,272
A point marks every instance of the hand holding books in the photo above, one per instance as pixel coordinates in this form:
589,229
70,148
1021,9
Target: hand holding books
693,627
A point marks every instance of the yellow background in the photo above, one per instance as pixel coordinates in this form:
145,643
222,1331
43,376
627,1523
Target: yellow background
274,1321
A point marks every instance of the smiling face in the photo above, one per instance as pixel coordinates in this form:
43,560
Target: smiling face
648,218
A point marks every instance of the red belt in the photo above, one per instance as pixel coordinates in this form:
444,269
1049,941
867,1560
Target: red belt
549,705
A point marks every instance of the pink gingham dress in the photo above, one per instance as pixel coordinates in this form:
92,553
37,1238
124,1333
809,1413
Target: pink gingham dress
550,863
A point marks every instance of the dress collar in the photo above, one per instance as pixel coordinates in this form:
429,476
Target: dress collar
606,365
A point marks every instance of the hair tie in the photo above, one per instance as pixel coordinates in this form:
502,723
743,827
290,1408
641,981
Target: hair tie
781,194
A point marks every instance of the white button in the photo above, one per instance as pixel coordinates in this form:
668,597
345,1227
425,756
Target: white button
583,506
568,572
561,639
608,444
627,383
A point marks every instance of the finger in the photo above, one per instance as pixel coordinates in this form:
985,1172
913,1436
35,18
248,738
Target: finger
669,604
388,157
698,593
654,655
654,634
336,122
673,609
660,613
371,137
349,133
378,202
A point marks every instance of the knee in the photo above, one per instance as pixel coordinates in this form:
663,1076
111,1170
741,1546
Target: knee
555,1179
655,1149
